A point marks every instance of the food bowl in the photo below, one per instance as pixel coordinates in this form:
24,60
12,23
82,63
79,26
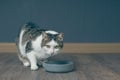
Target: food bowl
58,66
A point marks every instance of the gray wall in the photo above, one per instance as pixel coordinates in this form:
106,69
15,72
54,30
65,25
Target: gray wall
80,20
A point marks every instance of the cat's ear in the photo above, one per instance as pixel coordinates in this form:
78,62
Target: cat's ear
60,36
45,36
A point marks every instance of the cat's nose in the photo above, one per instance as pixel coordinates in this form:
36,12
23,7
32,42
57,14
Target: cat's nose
52,53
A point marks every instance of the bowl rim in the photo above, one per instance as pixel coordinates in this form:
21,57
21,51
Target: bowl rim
57,64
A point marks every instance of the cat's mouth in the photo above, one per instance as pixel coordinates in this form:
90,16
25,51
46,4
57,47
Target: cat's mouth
52,54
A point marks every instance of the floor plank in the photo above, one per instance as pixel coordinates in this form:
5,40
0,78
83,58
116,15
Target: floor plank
87,67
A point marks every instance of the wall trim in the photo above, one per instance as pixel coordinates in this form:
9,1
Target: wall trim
73,48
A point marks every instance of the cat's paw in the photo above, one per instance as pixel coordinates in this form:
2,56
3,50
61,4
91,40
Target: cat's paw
34,68
26,64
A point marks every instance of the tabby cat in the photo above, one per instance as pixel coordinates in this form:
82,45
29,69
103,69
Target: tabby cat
35,45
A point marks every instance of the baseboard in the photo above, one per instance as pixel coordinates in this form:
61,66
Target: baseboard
73,48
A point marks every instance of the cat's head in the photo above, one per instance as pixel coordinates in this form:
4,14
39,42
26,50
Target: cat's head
52,43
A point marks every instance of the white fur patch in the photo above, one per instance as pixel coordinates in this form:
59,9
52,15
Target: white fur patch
52,32
21,47
36,44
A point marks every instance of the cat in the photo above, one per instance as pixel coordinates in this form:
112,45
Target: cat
35,45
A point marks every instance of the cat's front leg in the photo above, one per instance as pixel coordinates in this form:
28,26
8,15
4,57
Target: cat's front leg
33,60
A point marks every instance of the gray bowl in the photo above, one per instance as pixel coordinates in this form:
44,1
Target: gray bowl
58,66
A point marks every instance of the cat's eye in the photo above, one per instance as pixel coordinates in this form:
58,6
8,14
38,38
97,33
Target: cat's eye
56,47
48,46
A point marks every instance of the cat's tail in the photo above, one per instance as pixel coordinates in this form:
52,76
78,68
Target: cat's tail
21,57
20,48
20,43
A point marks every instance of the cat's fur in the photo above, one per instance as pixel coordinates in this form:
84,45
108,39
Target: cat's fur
35,45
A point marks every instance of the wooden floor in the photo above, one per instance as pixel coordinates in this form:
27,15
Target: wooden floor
88,67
